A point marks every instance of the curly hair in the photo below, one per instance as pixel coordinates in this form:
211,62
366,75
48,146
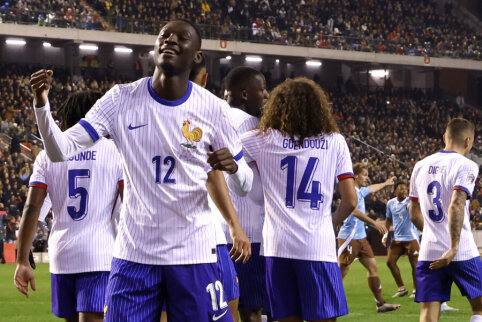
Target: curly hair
298,107
76,106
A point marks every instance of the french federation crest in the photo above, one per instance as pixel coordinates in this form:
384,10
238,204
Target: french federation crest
191,136
471,178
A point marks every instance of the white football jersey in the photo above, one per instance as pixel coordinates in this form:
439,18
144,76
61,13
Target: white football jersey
433,181
165,218
82,192
250,208
298,181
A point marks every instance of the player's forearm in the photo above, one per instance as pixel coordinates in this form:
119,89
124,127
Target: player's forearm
342,212
363,217
376,187
26,233
388,223
218,190
348,201
241,181
416,215
456,218
59,145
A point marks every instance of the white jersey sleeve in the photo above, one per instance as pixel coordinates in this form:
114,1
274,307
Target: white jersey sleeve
466,177
59,145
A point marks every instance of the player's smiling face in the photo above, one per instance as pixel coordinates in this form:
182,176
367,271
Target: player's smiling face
176,47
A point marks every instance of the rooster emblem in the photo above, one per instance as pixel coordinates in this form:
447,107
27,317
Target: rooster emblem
191,136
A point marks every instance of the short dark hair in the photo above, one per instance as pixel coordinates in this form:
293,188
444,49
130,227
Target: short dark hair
239,77
196,69
457,129
395,186
196,29
74,108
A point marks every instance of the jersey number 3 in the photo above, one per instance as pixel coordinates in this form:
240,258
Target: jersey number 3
75,192
314,197
436,215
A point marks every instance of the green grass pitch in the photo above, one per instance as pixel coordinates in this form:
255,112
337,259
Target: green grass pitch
14,307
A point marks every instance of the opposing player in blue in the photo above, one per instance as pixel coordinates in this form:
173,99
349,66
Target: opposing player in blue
352,241
82,191
164,127
440,189
405,237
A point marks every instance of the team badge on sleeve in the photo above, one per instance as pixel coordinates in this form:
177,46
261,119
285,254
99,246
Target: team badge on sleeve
470,178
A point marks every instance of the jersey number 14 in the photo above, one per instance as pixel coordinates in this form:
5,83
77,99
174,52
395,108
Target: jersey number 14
314,197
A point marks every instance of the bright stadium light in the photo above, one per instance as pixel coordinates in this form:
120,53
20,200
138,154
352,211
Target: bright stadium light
277,61
15,42
151,52
254,59
88,47
313,63
228,57
47,44
124,50
379,73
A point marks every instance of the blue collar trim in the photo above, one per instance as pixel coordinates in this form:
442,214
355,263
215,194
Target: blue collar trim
163,101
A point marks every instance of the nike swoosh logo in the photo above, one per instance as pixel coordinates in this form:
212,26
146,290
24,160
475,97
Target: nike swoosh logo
215,318
135,127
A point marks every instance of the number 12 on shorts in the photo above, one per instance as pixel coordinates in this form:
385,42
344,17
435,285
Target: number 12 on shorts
211,289
314,197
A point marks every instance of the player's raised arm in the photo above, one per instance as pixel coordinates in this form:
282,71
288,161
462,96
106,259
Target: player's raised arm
58,145
379,186
218,190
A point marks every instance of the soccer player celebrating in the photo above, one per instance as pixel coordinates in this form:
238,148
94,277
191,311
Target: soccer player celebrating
352,242
405,237
163,126
246,92
440,187
300,154
82,236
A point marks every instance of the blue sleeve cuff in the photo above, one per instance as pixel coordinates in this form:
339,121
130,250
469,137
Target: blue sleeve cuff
238,156
90,129
463,189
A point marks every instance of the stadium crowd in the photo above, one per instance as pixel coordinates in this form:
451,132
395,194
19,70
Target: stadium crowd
387,129
408,28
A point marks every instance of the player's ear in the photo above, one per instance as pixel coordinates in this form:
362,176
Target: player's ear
244,95
204,80
444,139
198,56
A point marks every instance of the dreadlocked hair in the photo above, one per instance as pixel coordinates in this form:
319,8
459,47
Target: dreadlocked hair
74,108
298,107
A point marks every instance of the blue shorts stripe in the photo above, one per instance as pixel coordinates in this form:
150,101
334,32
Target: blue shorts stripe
82,292
90,129
435,285
252,280
307,289
228,273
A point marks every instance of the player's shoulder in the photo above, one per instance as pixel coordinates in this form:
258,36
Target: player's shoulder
198,93
391,201
241,120
41,157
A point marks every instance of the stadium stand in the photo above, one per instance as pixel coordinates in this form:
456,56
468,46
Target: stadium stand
412,27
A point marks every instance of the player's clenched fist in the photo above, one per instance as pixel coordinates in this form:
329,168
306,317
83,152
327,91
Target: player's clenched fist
222,160
40,83
241,250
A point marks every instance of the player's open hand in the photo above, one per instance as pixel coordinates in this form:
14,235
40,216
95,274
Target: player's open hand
40,82
390,181
382,229
384,240
444,260
222,160
24,276
241,250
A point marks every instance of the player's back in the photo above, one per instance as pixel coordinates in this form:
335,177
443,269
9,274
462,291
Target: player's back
298,180
82,191
433,181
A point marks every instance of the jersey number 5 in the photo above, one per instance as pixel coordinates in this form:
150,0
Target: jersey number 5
437,215
314,197
75,192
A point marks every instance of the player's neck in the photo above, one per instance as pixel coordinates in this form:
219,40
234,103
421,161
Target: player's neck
170,88
400,199
455,148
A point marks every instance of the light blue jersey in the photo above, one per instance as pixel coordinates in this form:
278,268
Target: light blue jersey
353,223
403,228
